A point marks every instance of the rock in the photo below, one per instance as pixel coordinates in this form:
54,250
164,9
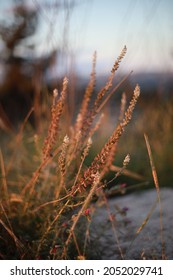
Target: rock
119,239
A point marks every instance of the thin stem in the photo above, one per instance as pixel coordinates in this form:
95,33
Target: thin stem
156,182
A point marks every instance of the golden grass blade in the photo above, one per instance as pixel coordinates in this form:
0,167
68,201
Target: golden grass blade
158,200
156,182
4,181
153,169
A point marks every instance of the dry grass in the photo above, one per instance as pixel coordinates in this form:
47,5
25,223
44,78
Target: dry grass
156,183
47,189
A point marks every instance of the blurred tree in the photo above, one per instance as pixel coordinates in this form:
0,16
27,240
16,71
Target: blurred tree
20,88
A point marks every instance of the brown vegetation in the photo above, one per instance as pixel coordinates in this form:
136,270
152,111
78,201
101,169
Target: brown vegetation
40,214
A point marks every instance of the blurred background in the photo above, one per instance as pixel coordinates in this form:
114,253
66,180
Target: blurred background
43,40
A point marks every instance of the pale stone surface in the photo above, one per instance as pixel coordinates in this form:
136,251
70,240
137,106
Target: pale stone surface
147,244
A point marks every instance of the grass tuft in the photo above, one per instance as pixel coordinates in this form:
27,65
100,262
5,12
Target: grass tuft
50,184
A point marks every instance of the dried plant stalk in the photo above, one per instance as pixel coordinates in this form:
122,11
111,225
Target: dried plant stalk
4,188
57,109
156,182
100,160
62,157
62,164
85,153
97,125
55,192
127,172
95,182
89,90
87,122
110,159
110,79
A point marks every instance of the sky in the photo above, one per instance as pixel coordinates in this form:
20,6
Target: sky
145,27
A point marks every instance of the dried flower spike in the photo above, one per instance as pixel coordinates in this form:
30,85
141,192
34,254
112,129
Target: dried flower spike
57,109
126,160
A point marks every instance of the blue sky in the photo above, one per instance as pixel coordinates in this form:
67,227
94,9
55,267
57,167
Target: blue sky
144,26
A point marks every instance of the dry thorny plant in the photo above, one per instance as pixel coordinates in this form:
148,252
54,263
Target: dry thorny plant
59,192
